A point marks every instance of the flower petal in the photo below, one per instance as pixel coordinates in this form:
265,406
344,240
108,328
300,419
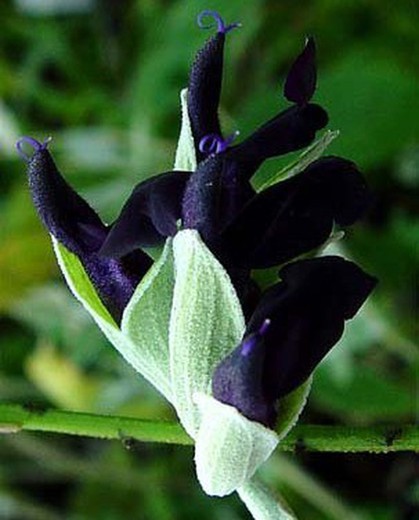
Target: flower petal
214,194
288,131
301,80
149,215
307,311
296,215
204,90
73,223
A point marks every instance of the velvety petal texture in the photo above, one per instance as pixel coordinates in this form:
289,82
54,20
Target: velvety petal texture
205,80
214,194
291,130
149,216
296,215
75,224
306,312
220,187
302,77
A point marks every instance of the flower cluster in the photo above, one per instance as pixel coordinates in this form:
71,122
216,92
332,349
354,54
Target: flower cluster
291,325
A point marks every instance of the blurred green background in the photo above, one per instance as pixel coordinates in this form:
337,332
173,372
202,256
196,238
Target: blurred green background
103,78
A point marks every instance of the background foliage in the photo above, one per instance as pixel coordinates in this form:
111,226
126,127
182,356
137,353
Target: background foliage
103,78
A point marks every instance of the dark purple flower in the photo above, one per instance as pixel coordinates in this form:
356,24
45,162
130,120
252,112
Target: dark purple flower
149,215
74,224
214,195
295,324
295,215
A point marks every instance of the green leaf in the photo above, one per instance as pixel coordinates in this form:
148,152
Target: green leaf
84,291
185,152
389,121
367,395
206,323
262,504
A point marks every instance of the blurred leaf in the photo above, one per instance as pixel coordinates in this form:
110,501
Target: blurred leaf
375,105
65,385
9,130
367,396
407,168
392,254
25,256
52,313
54,7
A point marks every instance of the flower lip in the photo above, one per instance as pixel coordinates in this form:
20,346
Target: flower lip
36,145
221,26
213,143
300,84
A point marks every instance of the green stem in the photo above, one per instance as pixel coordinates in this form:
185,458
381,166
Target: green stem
376,439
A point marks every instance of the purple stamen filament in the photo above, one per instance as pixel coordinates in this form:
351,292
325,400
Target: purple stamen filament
251,340
213,143
36,145
264,327
221,27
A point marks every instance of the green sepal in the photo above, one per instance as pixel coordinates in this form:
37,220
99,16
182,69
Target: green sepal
290,408
309,155
146,320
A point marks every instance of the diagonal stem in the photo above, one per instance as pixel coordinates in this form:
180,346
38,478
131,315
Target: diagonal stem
374,439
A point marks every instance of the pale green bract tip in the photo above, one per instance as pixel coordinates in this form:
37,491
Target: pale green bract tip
185,152
229,447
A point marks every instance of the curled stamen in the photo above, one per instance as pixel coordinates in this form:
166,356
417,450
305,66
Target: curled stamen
214,143
221,27
36,145
209,144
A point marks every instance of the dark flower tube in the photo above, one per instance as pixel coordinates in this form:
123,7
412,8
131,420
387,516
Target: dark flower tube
205,82
75,225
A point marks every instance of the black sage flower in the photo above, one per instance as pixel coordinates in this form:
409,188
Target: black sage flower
293,324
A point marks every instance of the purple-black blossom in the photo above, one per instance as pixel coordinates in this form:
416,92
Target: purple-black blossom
74,224
294,323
